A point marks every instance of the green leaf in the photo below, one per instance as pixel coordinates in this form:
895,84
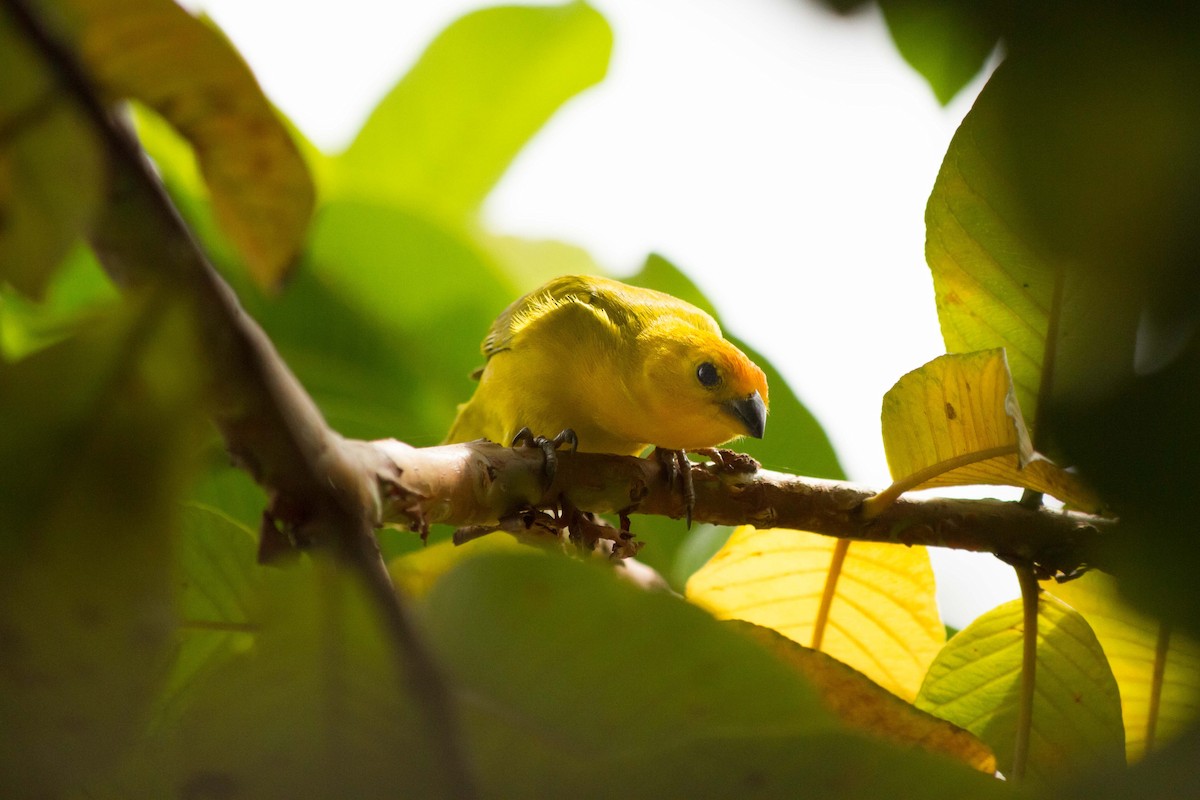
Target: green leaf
577,683
946,41
317,695
955,422
405,304
90,482
155,52
78,293
993,288
217,578
42,138
446,133
975,683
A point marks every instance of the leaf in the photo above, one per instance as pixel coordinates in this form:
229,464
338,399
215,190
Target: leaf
42,138
576,683
1130,641
531,262
975,683
865,706
946,42
446,133
382,279
416,573
318,696
993,288
77,294
216,578
1068,328
955,421
90,481
882,619
155,52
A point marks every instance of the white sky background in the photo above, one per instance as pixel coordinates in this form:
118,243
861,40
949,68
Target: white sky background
780,155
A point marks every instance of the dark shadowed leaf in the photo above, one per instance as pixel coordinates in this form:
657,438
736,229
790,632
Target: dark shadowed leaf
577,683
1133,642
43,137
90,481
314,706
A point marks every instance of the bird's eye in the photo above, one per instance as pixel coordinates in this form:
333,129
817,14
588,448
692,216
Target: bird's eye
707,374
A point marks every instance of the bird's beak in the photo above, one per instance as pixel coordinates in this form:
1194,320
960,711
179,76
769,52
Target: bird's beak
751,412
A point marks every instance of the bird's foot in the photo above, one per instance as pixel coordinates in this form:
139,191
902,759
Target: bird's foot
529,525
588,531
679,471
548,447
729,461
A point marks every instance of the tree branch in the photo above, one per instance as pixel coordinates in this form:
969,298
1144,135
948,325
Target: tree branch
479,483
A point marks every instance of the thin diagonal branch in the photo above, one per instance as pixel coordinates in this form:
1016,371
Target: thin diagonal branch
269,422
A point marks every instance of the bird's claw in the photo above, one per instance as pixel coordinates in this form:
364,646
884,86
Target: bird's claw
679,469
526,438
729,461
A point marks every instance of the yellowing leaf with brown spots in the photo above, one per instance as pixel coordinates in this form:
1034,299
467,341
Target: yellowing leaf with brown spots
864,705
882,619
956,421
1133,642
155,52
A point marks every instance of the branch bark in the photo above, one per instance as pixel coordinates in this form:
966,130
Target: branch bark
479,483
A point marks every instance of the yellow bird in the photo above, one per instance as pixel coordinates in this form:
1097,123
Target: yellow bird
622,367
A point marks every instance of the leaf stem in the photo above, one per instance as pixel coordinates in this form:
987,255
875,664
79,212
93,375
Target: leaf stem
874,506
1156,683
831,581
1030,597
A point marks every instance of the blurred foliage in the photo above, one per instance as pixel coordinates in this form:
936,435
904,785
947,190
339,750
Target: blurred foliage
142,652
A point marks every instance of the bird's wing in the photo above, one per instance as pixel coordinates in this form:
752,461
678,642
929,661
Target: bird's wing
571,299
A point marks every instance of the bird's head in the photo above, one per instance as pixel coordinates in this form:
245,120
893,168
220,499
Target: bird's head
700,390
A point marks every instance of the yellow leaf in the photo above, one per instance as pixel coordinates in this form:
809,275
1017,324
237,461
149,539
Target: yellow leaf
415,573
864,705
881,618
155,52
1131,641
956,421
